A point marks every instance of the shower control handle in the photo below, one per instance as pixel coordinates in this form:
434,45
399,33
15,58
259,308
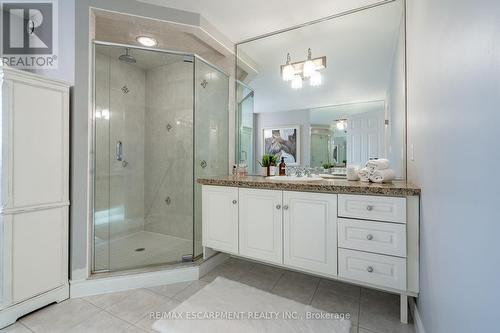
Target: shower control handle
119,151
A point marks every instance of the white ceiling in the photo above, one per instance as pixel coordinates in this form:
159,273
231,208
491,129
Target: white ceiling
360,51
240,20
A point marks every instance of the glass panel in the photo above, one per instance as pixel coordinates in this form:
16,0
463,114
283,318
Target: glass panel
211,132
143,201
245,107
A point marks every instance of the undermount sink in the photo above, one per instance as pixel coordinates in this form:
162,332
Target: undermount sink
295,179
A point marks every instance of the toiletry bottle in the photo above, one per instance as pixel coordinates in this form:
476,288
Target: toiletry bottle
282,167
235,172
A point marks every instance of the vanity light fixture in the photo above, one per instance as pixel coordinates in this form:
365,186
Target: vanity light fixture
297,82
315,79
288,72
308,69
309,66
147,41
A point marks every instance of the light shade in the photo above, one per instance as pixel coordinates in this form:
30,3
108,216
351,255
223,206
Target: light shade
288,73
297,82
341,124
316,79
147,41
309,68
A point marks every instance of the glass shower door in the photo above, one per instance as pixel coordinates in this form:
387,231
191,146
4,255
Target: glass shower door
211,133
143,144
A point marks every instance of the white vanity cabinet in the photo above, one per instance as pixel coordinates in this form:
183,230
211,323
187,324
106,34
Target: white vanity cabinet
260,224
369,240
310,231
35,193
220,218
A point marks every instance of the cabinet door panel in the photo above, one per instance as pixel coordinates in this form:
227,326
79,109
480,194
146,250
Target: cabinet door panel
310,231
220,218
261,224
39,159
39,252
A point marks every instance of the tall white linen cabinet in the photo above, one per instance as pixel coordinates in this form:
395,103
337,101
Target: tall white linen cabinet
34,171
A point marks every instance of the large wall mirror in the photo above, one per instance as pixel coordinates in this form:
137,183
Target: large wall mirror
328,93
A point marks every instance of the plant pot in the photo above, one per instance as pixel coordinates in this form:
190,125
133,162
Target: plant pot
264,171
272,170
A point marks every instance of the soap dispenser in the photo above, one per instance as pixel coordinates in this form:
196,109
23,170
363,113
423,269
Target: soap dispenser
282,167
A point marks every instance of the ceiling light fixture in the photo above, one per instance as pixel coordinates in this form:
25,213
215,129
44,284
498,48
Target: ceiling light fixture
147,41
307,69
341,124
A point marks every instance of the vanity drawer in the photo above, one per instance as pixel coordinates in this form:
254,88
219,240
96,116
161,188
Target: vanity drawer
371,236
376,269
390,209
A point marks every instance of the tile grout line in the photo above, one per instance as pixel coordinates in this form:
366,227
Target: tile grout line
28,328
277,281
315,291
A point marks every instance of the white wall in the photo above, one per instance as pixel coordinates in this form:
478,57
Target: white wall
454,90
66,58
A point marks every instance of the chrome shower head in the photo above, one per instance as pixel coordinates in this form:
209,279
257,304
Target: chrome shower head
127,58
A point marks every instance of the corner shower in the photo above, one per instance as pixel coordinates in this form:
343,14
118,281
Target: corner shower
160,121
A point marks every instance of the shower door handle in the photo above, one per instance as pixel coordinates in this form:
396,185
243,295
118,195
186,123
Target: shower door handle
119,151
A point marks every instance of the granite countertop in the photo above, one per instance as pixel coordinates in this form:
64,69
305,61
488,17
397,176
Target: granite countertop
396,188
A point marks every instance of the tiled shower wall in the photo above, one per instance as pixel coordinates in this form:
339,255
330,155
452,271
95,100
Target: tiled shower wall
168,150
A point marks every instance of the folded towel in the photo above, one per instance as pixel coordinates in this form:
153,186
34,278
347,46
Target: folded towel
380,164
364,175
382,176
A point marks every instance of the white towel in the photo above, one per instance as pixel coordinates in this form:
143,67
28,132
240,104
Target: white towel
364,175
380,164
382,176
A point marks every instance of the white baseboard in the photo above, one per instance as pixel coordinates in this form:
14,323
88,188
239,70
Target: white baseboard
109,284
9,315
419,326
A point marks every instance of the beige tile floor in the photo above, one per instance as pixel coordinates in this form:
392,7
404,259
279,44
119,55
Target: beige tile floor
128,311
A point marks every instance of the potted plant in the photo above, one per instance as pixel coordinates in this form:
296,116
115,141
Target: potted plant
327,166
272,167
266,163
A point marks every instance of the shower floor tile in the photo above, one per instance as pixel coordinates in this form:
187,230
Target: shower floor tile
143,248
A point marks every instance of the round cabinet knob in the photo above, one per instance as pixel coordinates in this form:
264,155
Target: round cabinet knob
285,207
235,202
369,269
369,236
369,208
278,206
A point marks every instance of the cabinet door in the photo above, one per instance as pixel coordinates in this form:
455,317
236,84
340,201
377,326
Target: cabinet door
39,252
310,231
220,218
261,224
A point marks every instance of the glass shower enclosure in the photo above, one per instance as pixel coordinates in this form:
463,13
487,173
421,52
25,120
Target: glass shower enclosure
160,122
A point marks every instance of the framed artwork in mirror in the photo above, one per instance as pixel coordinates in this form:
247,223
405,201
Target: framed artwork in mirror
283,142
